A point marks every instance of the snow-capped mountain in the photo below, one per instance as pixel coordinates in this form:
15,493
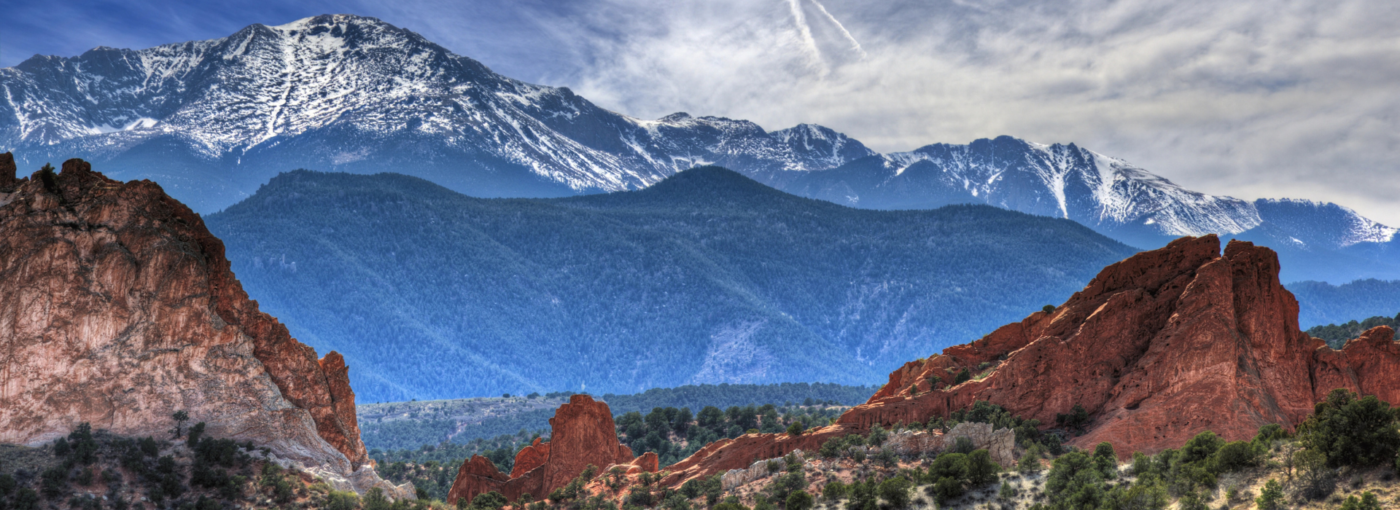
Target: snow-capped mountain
214,120
1063,181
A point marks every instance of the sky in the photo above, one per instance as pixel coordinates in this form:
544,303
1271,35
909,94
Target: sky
1263,99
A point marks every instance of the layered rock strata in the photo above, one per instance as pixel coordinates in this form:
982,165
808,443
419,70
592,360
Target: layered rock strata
1157,348
582,434
119,309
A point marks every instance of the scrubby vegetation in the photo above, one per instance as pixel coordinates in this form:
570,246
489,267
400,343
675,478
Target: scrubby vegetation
1322,465
411,425
671,433
1336,335
187,470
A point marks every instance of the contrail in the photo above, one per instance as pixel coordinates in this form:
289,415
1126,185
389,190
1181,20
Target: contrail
854,42
806,33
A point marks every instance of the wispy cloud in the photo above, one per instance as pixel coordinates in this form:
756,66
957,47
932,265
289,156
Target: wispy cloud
1251,99
1266,99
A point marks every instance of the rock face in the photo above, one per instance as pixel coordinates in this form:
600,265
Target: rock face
119,309
1157,348
582,434
1000,443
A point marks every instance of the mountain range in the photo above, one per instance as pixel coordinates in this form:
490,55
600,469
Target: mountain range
705,277
212,120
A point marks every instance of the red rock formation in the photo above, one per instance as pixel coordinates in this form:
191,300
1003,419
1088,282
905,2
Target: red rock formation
582,434
119,308
1158,347
529,458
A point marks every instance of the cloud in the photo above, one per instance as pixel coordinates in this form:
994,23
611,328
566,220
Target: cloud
1264,99
1250,99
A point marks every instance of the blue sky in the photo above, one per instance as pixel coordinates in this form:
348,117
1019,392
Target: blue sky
1249,99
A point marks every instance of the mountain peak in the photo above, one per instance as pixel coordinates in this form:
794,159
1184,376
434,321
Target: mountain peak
705,186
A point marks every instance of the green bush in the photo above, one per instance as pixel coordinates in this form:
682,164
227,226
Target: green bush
895,491
1352,431
799,500
1235,456
640,496
1075,420
834,491
1368,501
54,482
374,500
949,474
195,433
980,468
877,435
795,429
963,445
1142,465
1074,482
338,500
1106,460
61,448
730,503
831,448
862,496
1029,464
1270,497
1147,494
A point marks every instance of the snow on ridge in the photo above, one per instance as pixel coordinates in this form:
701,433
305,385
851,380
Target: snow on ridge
263,85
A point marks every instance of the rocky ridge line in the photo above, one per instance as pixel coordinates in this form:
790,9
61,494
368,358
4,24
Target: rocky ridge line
1157,348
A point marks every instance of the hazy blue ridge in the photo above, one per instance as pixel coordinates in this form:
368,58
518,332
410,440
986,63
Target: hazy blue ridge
707,277
1322,303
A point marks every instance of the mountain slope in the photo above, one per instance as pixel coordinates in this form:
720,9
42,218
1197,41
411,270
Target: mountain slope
1322,303
1316,241
707,277
212,120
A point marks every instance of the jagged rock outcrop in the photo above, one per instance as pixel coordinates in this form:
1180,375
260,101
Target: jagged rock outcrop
1157,348
582,434
119,308
756,471
1000,443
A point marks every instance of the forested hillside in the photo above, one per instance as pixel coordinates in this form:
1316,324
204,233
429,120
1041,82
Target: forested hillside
707,277
411,425
1337,335
1322,303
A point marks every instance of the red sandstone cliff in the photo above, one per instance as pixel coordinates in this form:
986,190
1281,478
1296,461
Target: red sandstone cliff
119,308
582,433
1158,347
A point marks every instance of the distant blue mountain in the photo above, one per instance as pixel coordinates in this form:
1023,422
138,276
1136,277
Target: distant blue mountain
705,277
1322,303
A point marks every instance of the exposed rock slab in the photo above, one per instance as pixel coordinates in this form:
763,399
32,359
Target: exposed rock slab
120,309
